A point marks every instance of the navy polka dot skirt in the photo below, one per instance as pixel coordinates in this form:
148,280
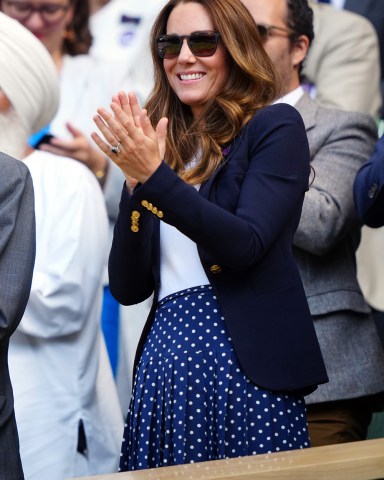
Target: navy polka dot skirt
191,401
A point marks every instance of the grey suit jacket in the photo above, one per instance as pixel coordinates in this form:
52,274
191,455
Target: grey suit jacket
17,256
324,248
344,61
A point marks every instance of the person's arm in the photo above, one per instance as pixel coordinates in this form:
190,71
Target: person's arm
17,241
112,187
343,61
369,188
251,207
71,251
328,210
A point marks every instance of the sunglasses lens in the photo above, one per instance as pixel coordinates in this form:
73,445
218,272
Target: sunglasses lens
169,46
203,45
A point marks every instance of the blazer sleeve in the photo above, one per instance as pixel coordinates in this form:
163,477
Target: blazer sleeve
369,188
17,242
340,143
265,181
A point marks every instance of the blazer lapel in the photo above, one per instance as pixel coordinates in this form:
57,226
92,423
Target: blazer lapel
205,187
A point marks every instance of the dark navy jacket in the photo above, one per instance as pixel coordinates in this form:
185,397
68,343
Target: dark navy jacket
243,220
369,188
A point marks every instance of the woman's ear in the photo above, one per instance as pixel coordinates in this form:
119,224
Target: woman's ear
4,102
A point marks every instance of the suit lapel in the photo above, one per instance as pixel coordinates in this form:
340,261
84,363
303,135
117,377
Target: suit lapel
307,109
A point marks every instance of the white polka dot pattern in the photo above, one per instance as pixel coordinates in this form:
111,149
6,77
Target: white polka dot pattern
191,400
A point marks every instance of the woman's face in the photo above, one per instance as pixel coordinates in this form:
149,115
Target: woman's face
195,80
46,19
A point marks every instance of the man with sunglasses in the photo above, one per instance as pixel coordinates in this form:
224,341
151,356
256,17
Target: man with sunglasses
328,234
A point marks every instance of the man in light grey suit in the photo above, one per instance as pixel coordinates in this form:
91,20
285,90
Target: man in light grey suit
17,255
328,235
372,10
343,63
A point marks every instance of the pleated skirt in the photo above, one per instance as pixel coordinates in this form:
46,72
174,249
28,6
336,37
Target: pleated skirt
191,400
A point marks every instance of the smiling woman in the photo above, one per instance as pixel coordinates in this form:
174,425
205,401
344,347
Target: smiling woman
206,223
195,78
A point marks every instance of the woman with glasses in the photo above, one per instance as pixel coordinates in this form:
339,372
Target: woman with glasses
212,199
62,26
85,83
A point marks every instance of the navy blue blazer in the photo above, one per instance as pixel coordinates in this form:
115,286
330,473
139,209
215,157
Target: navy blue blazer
243,220
369,188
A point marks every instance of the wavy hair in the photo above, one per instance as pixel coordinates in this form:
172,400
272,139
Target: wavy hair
252,84
77,38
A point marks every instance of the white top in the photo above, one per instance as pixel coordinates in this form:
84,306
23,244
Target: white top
180,265
292,97
86,84
58,363
339,4
121,32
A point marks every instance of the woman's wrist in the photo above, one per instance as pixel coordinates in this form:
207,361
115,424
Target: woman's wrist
100,168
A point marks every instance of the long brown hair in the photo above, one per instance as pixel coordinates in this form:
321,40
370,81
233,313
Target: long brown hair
77,38
252,83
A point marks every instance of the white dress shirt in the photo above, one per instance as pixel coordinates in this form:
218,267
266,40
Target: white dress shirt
339,4
58,363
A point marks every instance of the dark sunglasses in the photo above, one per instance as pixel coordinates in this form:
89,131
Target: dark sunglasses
201,44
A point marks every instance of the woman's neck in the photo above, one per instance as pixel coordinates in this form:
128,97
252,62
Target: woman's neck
58,59
95,5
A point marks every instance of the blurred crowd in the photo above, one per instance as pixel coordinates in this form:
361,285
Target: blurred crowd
71,357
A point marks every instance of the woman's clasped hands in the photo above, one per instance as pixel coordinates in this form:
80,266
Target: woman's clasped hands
130,140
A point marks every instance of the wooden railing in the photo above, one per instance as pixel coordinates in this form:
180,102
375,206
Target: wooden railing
349,461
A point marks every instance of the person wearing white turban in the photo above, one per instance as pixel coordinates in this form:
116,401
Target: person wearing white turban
28,76
66,405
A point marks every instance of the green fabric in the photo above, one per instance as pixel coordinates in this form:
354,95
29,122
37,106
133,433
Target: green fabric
376,427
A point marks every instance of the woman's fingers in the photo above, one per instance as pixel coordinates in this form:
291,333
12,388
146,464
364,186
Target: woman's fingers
146,126
135,108
104,123
129,104
161,134
130,141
